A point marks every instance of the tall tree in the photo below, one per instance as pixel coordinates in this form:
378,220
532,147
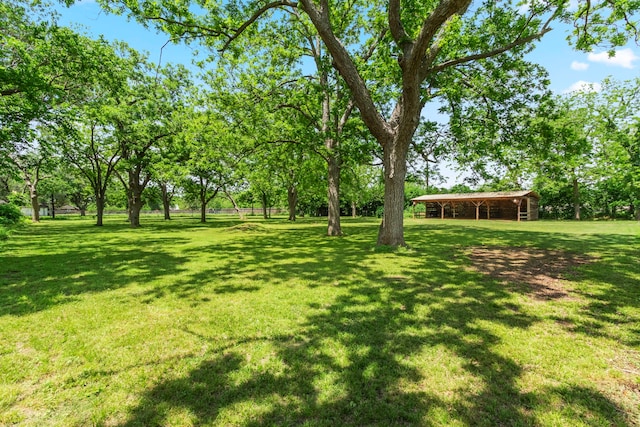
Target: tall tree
330,116
566,147
307,106
217,151
92,147
146,115
95,154
32,161
425,45
46,72
617,141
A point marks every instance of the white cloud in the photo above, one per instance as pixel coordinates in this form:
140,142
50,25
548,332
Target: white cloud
582,86
623,58
579,66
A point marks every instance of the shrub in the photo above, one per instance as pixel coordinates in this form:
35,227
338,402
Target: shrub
9,214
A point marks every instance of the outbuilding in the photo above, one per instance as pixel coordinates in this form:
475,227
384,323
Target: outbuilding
507,205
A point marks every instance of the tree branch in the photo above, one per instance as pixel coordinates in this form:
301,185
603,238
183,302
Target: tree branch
8,92
256,15
373,46
441,14
299,110
349,72
191,28
395,24
345,116
518,42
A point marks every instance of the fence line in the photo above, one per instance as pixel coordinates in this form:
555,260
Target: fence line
222,211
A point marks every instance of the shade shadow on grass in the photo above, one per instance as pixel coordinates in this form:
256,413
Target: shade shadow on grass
67,266
372,354
613,277
356,360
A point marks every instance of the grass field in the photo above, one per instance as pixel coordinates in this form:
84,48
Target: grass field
255,323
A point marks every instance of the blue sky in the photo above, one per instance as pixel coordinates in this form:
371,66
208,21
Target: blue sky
87,17
569,69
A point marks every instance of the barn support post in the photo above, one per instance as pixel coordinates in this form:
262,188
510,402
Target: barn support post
519,202
477,205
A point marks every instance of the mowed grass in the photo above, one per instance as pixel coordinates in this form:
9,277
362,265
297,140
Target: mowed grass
255,323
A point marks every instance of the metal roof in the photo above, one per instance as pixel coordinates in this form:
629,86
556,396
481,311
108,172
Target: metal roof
491,195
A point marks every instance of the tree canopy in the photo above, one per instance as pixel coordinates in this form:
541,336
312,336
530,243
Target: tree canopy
421,51
291,85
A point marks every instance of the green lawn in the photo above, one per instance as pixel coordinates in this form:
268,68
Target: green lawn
271,323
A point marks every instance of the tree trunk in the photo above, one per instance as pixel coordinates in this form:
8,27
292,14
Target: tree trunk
426,174
354,211
136,203
576,199
292,200
264,205
53,206
165,201
395,170
35,205
333,194
99,209
233,202
129,204
136,207
203,205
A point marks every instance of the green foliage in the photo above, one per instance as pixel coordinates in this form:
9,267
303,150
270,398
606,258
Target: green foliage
412,190
585,147
266,125
9,214
44,70
18,199
53,86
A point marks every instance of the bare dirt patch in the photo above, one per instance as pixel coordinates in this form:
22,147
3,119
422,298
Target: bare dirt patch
540,272
248,226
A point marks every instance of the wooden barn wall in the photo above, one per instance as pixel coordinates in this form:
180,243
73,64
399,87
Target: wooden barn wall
500,209
533,209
